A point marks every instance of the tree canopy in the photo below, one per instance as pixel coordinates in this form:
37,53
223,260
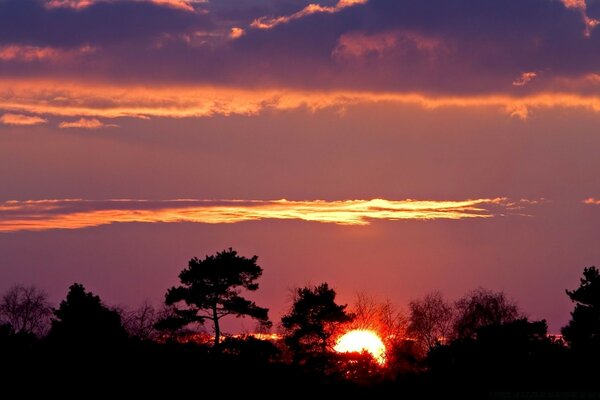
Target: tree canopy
313,319
482,307
210,290
583,330
83,318
430,320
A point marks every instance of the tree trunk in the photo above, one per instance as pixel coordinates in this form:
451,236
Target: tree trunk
217,329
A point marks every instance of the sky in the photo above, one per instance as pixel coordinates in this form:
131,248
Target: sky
390,147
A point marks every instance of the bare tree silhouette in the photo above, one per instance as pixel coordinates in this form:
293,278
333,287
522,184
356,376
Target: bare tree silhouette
26,309
431,320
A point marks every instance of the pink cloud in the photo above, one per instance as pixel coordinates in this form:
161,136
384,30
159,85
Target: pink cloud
358,44
76,4
86,123
525,78
590,23
268,23
591,201
21,120
15,52
187,5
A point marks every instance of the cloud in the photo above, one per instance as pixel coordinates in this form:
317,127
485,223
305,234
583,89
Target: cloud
591,201
187,5
435,47
590,23
35,53
68,99
39,215
86,123
268,23
524,78
76,4
359,44
236,32
73,24
21,120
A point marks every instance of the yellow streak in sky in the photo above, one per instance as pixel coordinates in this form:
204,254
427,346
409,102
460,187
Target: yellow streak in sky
39,215
72,99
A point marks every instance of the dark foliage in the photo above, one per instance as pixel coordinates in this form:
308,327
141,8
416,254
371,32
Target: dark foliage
480,308
88,351
311,323
512,356
82,320
583,331
210,290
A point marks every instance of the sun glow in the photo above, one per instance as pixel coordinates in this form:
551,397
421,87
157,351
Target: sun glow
362,340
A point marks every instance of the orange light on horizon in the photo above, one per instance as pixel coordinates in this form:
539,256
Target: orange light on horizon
360,340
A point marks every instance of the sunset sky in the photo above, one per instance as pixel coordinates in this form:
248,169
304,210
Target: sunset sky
393,147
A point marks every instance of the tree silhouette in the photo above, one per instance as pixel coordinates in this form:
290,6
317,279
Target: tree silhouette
430,320
507,356
82,318
312,320
140,322
210,290
583,330
25,309
483,307
389,322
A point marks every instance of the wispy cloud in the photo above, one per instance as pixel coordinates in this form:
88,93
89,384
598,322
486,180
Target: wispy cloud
76,4
357,45
271,22
187,5
525,78
21,120
22,53
591,201
39,215
86,123
590,23
68,99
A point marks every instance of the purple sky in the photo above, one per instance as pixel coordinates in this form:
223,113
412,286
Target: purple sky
436,101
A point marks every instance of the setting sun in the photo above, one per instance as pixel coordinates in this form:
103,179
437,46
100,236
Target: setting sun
362,340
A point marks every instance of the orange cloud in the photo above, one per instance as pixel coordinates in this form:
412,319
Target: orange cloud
268,23
590,23
21,120
591,201
356,45
76,4
86,123
83,100
35,53
187,5
39,215
236,32
524,78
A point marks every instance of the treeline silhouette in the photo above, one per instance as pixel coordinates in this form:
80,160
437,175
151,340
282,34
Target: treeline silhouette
480,345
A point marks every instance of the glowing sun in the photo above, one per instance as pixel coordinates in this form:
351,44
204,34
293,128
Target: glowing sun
359,341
